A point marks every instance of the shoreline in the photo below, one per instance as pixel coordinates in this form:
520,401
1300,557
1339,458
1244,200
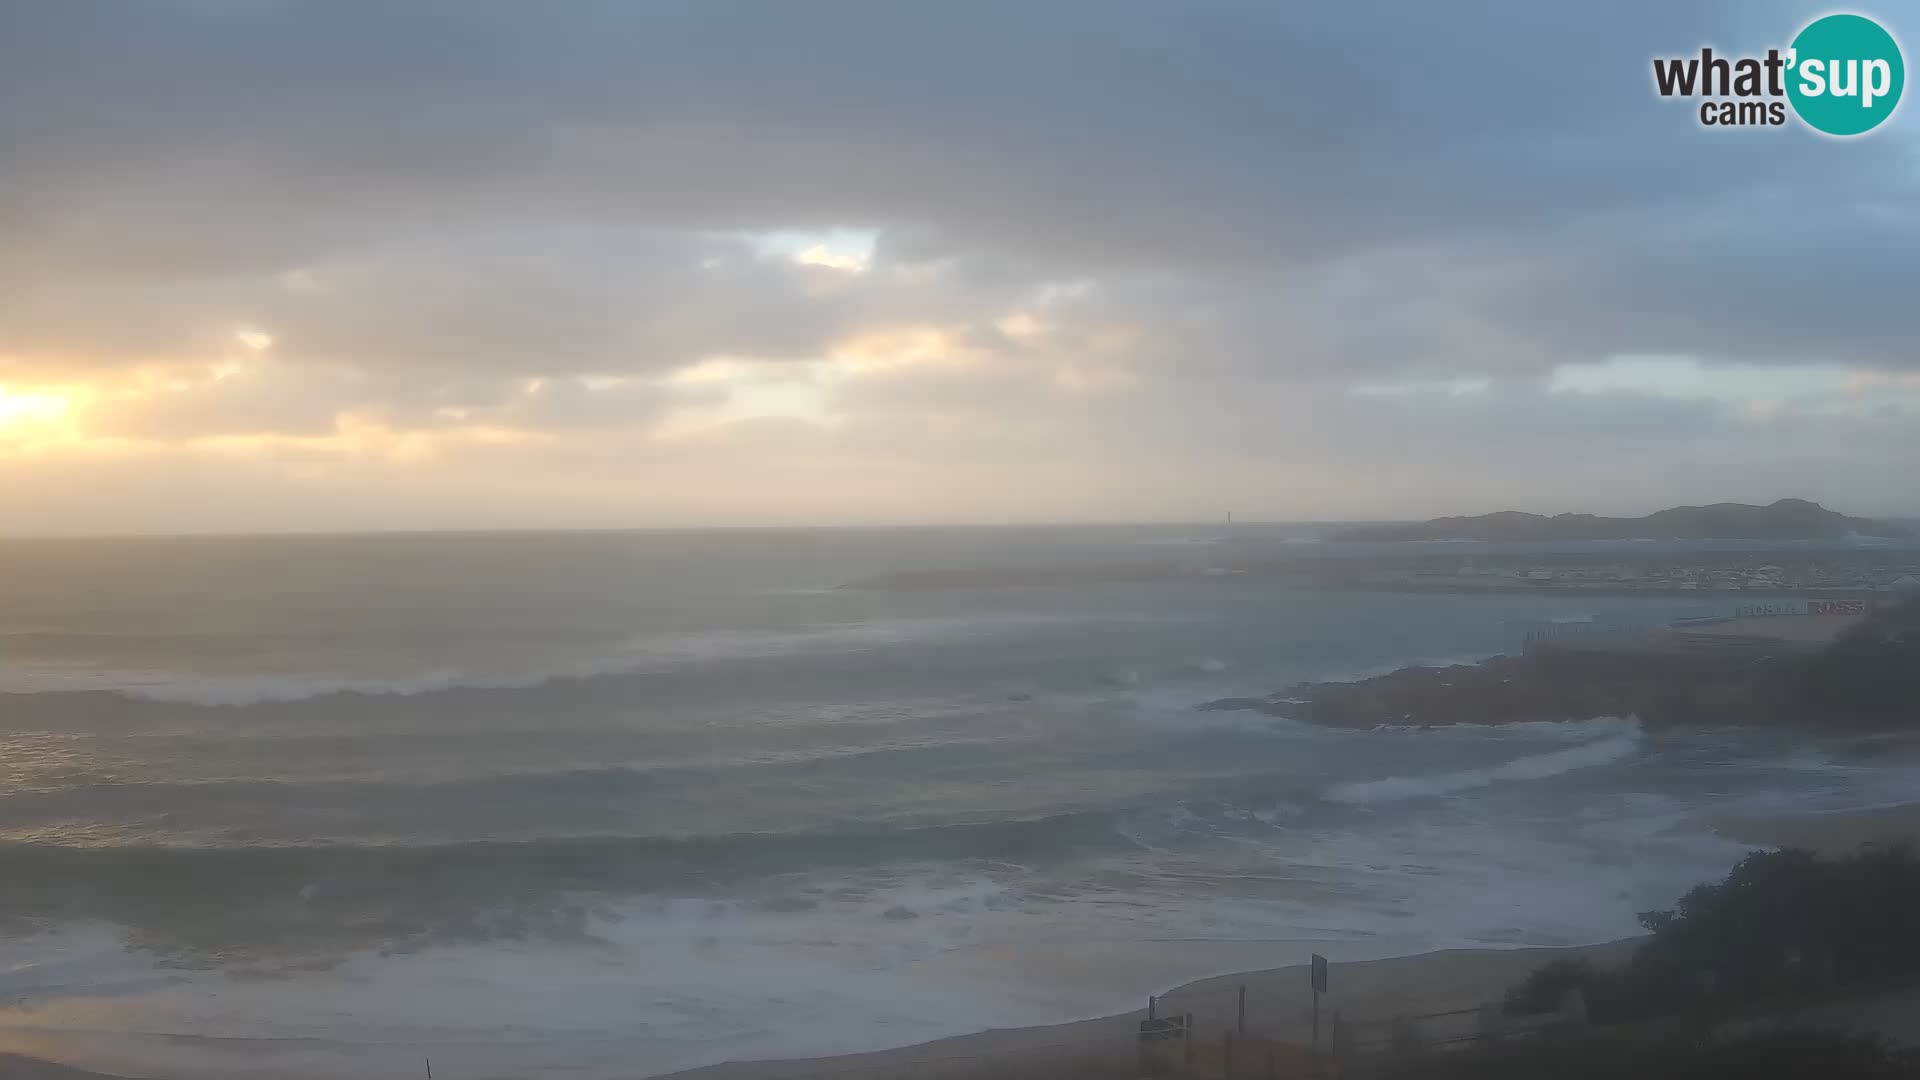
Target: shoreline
1278,999
1727,675
1279,1004
1829,833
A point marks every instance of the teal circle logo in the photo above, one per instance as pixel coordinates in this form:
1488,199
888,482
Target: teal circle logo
1845,74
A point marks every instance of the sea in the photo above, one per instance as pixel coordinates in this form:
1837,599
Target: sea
621,803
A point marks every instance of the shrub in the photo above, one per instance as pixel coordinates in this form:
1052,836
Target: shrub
1872,670
1781,922
1545,990
1785,920
1773,1055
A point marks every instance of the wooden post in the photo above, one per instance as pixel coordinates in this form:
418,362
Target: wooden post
1241,1025
1317,978
1573,1006
429,1062
1150,1015
1316,1021
1489,1025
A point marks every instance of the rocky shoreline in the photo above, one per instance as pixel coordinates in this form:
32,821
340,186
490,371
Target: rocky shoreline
1659,690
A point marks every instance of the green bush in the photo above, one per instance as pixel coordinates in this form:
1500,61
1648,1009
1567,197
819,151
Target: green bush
1545,990
1774,1055
1872,670
1781,922
1784,920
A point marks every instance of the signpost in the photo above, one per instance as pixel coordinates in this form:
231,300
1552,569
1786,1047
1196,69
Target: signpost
1319,987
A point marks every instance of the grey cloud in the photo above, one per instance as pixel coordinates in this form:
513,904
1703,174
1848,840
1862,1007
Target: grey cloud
1257,151
429,203
1249,130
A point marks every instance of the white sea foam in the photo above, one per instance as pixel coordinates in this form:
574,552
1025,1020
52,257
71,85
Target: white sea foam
1390,666
1531,767
641,654
1558,730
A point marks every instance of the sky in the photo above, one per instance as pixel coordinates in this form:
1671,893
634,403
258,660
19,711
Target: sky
272,266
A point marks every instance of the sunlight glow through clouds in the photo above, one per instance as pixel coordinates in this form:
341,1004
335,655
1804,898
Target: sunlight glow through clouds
751,389
21,408
891,348
850,250
821,255
1687,377
257,340
1758,392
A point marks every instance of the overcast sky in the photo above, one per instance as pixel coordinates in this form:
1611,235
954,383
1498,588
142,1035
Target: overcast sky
359,265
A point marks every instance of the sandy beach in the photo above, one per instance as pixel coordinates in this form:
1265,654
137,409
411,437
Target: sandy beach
1278,1006
18,1067
1278,1002
1838,833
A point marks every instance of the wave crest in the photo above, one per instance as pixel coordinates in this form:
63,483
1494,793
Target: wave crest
1530,767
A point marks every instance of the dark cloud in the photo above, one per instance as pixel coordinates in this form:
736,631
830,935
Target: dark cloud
1243,127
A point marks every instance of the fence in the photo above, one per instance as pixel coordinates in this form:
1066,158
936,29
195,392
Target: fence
1174,1045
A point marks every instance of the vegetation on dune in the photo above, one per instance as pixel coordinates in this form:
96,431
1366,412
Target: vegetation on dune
1773,1055
1781,922
1873,668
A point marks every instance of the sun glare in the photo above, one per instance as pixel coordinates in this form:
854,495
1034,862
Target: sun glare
18,409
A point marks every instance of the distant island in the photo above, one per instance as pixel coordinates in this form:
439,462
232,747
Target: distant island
1787,519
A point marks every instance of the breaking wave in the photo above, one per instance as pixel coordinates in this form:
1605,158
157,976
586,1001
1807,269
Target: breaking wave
638,655
1531,767
207,899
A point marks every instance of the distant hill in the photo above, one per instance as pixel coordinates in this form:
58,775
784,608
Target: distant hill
1788,519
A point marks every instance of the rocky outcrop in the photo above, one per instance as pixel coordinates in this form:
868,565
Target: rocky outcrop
1867,678
1661,691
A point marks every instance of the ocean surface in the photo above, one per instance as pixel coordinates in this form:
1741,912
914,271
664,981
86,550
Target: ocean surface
621,803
